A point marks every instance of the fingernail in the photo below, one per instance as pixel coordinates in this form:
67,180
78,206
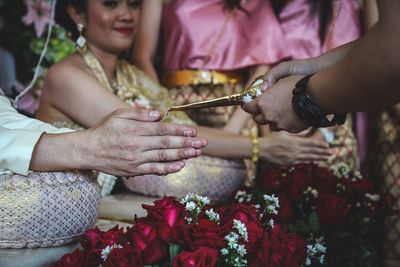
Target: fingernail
198,152
155,114
266,85
197,143
178,165
190,152
188,133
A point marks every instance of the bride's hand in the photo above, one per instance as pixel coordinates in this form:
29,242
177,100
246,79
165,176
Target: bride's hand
281,148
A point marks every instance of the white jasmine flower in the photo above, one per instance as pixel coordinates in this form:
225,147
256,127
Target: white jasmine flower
224,251
271,223
242,229
107,250
190,206
247,98
373,197
212,215
242,250
322,259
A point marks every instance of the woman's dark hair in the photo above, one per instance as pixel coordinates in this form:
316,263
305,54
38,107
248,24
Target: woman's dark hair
62,17
323,8
234,4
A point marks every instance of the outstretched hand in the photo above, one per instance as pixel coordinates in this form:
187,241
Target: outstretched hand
274,107
132,142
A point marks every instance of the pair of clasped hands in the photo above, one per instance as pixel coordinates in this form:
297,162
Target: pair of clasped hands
274,105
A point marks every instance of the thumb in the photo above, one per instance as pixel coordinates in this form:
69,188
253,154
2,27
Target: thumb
280,71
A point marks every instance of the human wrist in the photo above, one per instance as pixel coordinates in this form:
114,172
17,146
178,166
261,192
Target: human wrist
307,108
58,152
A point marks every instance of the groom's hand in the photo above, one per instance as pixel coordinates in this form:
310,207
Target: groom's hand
132,142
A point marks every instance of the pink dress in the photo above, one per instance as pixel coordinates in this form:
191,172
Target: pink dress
301,25
192,27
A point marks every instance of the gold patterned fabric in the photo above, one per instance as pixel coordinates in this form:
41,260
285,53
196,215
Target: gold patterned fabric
344,145
387,167
46,209
214,177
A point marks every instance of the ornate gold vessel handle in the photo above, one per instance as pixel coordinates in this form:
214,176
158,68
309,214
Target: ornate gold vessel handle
231,100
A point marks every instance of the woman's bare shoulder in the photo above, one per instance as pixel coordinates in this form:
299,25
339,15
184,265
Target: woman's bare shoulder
65,71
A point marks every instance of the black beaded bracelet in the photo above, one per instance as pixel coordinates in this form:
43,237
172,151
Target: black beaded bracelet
309,111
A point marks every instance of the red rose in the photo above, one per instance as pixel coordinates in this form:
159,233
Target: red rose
243,212
324,180
256,234
90,239
94,241
166,215
122,257
357,187
205,233
148,245
331,209
271,181
202,257
298,180
76,258
113,236
285,211
280,249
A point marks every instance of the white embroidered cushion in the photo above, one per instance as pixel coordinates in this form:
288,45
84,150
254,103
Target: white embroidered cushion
46,209
213,177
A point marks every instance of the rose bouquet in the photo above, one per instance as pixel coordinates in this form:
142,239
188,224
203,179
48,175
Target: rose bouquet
337,211
191,232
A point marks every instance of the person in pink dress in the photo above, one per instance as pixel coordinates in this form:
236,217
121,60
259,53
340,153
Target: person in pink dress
210,49
311,28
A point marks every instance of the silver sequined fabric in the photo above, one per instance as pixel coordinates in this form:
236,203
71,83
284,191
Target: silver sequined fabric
215,178
46,209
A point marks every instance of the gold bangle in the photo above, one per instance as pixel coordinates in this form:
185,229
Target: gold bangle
255,149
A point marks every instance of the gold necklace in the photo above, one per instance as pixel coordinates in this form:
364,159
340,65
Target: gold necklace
123,87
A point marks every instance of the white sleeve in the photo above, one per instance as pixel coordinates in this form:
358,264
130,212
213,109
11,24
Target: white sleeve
18,137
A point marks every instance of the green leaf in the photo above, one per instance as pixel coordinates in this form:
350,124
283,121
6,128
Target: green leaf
174,250
314,222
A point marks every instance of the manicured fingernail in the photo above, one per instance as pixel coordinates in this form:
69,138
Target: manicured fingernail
155,114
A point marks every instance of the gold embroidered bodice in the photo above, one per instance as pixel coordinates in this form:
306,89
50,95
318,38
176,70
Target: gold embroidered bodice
135,88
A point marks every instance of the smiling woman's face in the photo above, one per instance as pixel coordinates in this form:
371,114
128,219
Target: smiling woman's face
110,25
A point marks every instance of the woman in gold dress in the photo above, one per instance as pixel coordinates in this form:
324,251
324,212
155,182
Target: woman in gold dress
94,81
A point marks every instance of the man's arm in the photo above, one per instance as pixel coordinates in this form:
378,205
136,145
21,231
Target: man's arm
368,77
125,143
